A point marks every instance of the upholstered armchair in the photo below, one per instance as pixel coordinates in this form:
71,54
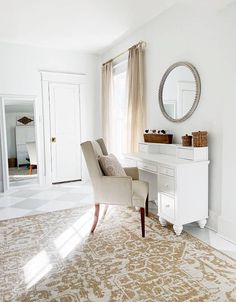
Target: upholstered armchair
31,148
114,190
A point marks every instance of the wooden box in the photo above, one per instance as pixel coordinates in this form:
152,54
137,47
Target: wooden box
187,140
158,138
200,139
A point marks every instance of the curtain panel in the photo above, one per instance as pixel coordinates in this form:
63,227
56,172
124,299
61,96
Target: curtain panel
135,89
107,81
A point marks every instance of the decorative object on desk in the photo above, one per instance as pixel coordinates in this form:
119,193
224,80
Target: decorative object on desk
200,139
146,130
154,131
162,131
158,138
187,140
179,91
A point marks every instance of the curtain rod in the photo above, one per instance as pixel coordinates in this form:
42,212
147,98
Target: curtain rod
142,43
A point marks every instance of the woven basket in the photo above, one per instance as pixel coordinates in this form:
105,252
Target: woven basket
200,139
158,138
187,140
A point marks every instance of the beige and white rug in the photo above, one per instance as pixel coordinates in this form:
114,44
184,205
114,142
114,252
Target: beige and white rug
51,257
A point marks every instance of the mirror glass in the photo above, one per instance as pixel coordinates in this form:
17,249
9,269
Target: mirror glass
179,91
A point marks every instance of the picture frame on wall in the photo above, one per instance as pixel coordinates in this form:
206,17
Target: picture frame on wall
25,120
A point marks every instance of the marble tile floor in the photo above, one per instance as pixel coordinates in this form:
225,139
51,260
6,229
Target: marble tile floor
33,199
21,174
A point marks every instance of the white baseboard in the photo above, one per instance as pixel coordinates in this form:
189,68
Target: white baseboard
227,228
212,221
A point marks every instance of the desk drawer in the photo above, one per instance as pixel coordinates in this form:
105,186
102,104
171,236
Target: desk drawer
167,206
166,184
147,167
166,171
184,153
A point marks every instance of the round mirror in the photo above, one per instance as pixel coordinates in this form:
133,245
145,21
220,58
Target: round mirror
179,91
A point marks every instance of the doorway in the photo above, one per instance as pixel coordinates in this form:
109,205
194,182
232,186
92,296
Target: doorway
19,141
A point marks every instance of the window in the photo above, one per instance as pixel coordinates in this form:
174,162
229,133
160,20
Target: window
119,109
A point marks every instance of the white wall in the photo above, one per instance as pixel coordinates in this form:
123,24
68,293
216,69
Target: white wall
19,74
227,221
187,33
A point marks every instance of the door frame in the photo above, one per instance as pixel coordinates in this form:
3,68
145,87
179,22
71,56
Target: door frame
52,77
12,98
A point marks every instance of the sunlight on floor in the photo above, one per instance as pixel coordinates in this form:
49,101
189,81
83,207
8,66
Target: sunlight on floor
36,268
71,237
39,266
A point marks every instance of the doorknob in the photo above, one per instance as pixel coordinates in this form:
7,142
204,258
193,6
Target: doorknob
53,140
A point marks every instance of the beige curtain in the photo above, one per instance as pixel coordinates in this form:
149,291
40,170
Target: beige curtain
106,102
135,86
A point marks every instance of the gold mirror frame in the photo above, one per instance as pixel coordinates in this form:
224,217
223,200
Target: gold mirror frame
197,95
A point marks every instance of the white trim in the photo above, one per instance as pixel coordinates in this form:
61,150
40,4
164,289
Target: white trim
227,229
47,78
212,221
60,77
6,99
5,176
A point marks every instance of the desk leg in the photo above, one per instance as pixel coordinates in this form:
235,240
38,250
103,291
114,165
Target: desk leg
162,221
178,229
202,223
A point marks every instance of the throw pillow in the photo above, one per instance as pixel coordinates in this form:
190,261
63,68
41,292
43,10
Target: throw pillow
111,166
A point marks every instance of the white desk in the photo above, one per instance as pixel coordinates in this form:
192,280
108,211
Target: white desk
178,180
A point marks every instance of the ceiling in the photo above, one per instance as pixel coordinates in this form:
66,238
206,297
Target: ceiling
85,25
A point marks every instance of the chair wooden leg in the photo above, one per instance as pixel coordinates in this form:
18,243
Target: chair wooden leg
105,211
96,215
142,214
30,169
146,206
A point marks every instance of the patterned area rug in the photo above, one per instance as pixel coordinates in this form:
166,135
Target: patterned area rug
51,257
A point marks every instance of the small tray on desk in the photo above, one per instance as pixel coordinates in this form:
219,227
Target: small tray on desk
158,138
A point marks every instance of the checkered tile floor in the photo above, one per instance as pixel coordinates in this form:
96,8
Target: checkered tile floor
35,200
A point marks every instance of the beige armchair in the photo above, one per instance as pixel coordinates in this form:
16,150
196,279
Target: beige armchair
31,148
113,190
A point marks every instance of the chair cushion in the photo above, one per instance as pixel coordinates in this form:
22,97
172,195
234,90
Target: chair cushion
140,192
111,166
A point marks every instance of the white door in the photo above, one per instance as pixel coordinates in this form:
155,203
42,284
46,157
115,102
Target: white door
65,132
186,96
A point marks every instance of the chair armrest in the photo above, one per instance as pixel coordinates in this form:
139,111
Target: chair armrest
133,172
116,190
